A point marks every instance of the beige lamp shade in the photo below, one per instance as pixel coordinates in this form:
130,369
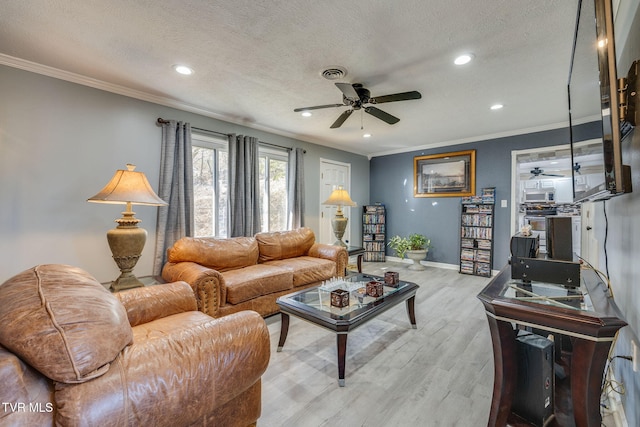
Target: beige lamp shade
339,197
128,186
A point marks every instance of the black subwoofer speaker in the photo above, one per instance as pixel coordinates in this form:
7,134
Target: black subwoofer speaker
533,399
559,238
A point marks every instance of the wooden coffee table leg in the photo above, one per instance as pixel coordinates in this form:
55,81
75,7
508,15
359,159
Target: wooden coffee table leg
284,329
412,312
359,263
342,354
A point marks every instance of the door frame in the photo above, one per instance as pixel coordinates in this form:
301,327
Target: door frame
345,209
514,179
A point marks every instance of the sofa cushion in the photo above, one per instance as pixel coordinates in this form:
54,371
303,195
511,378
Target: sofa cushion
307,269
212,252
254,281
62,322
284,244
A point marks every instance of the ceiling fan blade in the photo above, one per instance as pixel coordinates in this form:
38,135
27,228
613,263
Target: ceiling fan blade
344,116
385,117
317,107
348,90
404,96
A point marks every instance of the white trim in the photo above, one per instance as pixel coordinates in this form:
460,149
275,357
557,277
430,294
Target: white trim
434,264
346,209
478,138
514,175
615,406
209,141
514,191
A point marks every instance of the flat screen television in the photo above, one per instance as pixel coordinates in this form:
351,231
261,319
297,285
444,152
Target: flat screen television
598,172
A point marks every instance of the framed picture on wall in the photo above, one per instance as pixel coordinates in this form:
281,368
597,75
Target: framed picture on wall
445,175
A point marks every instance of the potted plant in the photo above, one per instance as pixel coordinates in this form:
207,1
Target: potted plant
415,247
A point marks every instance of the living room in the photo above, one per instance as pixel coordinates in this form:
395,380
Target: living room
62,138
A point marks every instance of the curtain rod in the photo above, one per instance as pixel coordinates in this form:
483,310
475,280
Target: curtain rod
163,121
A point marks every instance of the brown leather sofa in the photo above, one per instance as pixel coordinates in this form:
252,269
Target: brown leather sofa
250,273
73,354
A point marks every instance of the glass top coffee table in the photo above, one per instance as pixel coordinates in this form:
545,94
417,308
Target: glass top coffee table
314,305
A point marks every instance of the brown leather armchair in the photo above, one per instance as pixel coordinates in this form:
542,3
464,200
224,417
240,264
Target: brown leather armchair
74,354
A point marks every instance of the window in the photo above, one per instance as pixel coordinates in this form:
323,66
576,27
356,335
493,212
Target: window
273,189
210,186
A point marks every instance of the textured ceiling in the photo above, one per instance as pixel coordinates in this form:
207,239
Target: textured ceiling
257,60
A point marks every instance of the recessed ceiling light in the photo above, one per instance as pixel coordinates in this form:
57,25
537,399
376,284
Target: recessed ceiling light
463,59
366,135
496,106
183,69
306,114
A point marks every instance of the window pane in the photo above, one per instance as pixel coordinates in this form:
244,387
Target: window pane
277,195
223,190
203,191
264,199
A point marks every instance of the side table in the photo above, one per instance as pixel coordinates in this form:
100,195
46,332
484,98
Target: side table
356,251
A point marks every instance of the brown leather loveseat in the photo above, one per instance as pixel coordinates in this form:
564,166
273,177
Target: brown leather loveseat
250,273
73,354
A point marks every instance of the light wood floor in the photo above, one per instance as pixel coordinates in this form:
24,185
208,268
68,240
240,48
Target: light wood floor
440,374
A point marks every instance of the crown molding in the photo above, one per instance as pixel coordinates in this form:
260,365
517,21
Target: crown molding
80,79
478,138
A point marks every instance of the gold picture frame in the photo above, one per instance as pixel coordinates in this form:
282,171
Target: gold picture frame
445,175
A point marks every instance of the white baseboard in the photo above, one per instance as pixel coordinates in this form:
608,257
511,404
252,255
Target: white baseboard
425,263
615,409
432,264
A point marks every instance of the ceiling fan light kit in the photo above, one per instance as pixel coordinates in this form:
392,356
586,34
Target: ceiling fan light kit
358,97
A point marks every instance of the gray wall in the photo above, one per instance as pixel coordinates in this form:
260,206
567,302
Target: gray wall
59,145
392,184
622,228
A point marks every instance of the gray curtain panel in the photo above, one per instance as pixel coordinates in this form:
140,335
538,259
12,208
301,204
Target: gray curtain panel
244,186
295,217
176,188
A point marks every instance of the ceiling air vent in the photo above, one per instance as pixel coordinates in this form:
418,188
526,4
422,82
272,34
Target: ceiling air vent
334,73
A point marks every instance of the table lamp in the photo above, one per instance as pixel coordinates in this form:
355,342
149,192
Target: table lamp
127,239
339,197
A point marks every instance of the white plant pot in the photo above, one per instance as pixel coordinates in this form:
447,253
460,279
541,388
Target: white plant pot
416,257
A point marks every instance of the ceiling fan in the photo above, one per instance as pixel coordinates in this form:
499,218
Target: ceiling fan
536,172
576,168
357,96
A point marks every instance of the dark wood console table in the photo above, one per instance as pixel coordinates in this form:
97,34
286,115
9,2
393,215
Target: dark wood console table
591,327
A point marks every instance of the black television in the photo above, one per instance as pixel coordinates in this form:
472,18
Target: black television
598,172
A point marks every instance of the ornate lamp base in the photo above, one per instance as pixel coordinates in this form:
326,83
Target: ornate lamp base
126,281
126,242
339,225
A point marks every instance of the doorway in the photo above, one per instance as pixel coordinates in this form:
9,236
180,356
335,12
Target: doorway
542,185
539,173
